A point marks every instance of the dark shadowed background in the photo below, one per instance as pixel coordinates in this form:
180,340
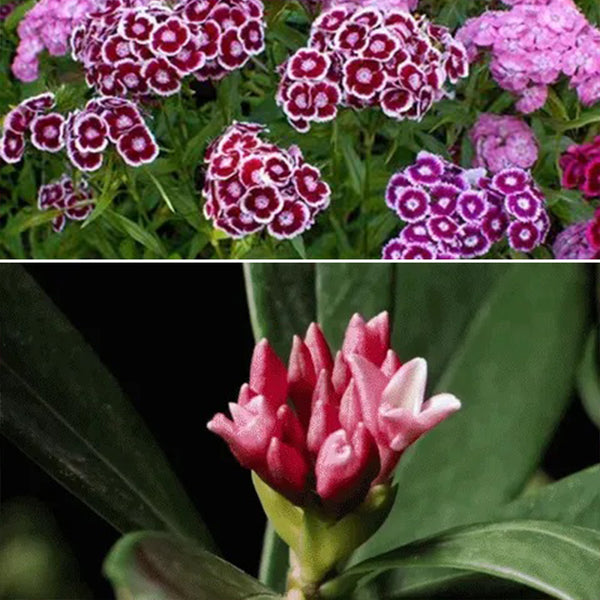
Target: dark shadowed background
178,338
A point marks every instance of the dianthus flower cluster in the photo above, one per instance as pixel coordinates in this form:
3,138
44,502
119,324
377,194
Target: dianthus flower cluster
48,25
580,241
580,165
73,200
501,142
533,44
324,430
456,213
84,133
361,57
251,184
140,47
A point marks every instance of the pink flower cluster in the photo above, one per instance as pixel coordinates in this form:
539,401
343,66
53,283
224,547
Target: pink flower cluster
48,25
581,168
502,141
324,430
580,241
84,133
362,57
533,44
135,47
251,184
74,200
456,213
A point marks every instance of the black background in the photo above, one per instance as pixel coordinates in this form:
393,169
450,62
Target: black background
178,339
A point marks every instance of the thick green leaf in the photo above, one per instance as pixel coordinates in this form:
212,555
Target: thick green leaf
514,373
574,500
559,560
588,378
63,408
158,566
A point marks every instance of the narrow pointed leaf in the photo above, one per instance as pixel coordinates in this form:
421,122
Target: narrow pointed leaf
157,566
63,408
588,378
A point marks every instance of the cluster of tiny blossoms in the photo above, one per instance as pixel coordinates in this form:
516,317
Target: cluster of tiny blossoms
251,184
580,241
581,168
533,44
501,142
48,25
139,47
326,429
84,133
73,200
456,213
361,57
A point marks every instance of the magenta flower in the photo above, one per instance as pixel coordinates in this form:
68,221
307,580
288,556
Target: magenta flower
252,185
581,168
573,244
326,429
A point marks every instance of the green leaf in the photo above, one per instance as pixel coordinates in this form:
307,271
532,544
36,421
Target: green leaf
588,378
155,566
514,375
161,190
17,14
66,412
559,560
128,227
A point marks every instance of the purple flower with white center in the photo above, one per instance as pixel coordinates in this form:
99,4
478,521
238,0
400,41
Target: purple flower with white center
524,206
472,205
444,198
412,204
473,241
523,236
428,169
415,233
393,250
442,229
494,224
419,252
509,181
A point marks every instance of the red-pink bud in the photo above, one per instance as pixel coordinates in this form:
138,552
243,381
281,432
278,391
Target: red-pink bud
323,422
302,379
287,469
268,375
290,429
346,466
319,349
341,374
391,364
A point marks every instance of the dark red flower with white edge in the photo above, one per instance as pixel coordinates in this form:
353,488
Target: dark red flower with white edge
58,223
395,102
238,223
292,220
208,36
364,77
371,17
48,132
331,20
510,181
308,64
224,166
196,11
136,26
592,232
106,81
120,120
50,195
91,133
253,37
229,191
473,241
170,37
263,203
381,45
12,146
325,97
278,168
137,146
40,103
494,224
129,74
229,17
523,236
18,119
116,49
457,63
310,186
232,54
252,170
85,161
412,204
79,205
189,59
299,103
351,37
411,77
162,77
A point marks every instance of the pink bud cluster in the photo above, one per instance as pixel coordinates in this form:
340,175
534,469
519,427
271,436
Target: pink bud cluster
48,25
533,44
74,200
502,141
580,241
580,165
84,133
455,213
138,47
251,184
325,429
362,57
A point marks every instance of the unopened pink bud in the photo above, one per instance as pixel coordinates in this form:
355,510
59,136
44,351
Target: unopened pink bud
268,375
287,469
319,349
302,379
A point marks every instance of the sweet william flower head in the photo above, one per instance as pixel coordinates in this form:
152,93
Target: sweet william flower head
326,429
